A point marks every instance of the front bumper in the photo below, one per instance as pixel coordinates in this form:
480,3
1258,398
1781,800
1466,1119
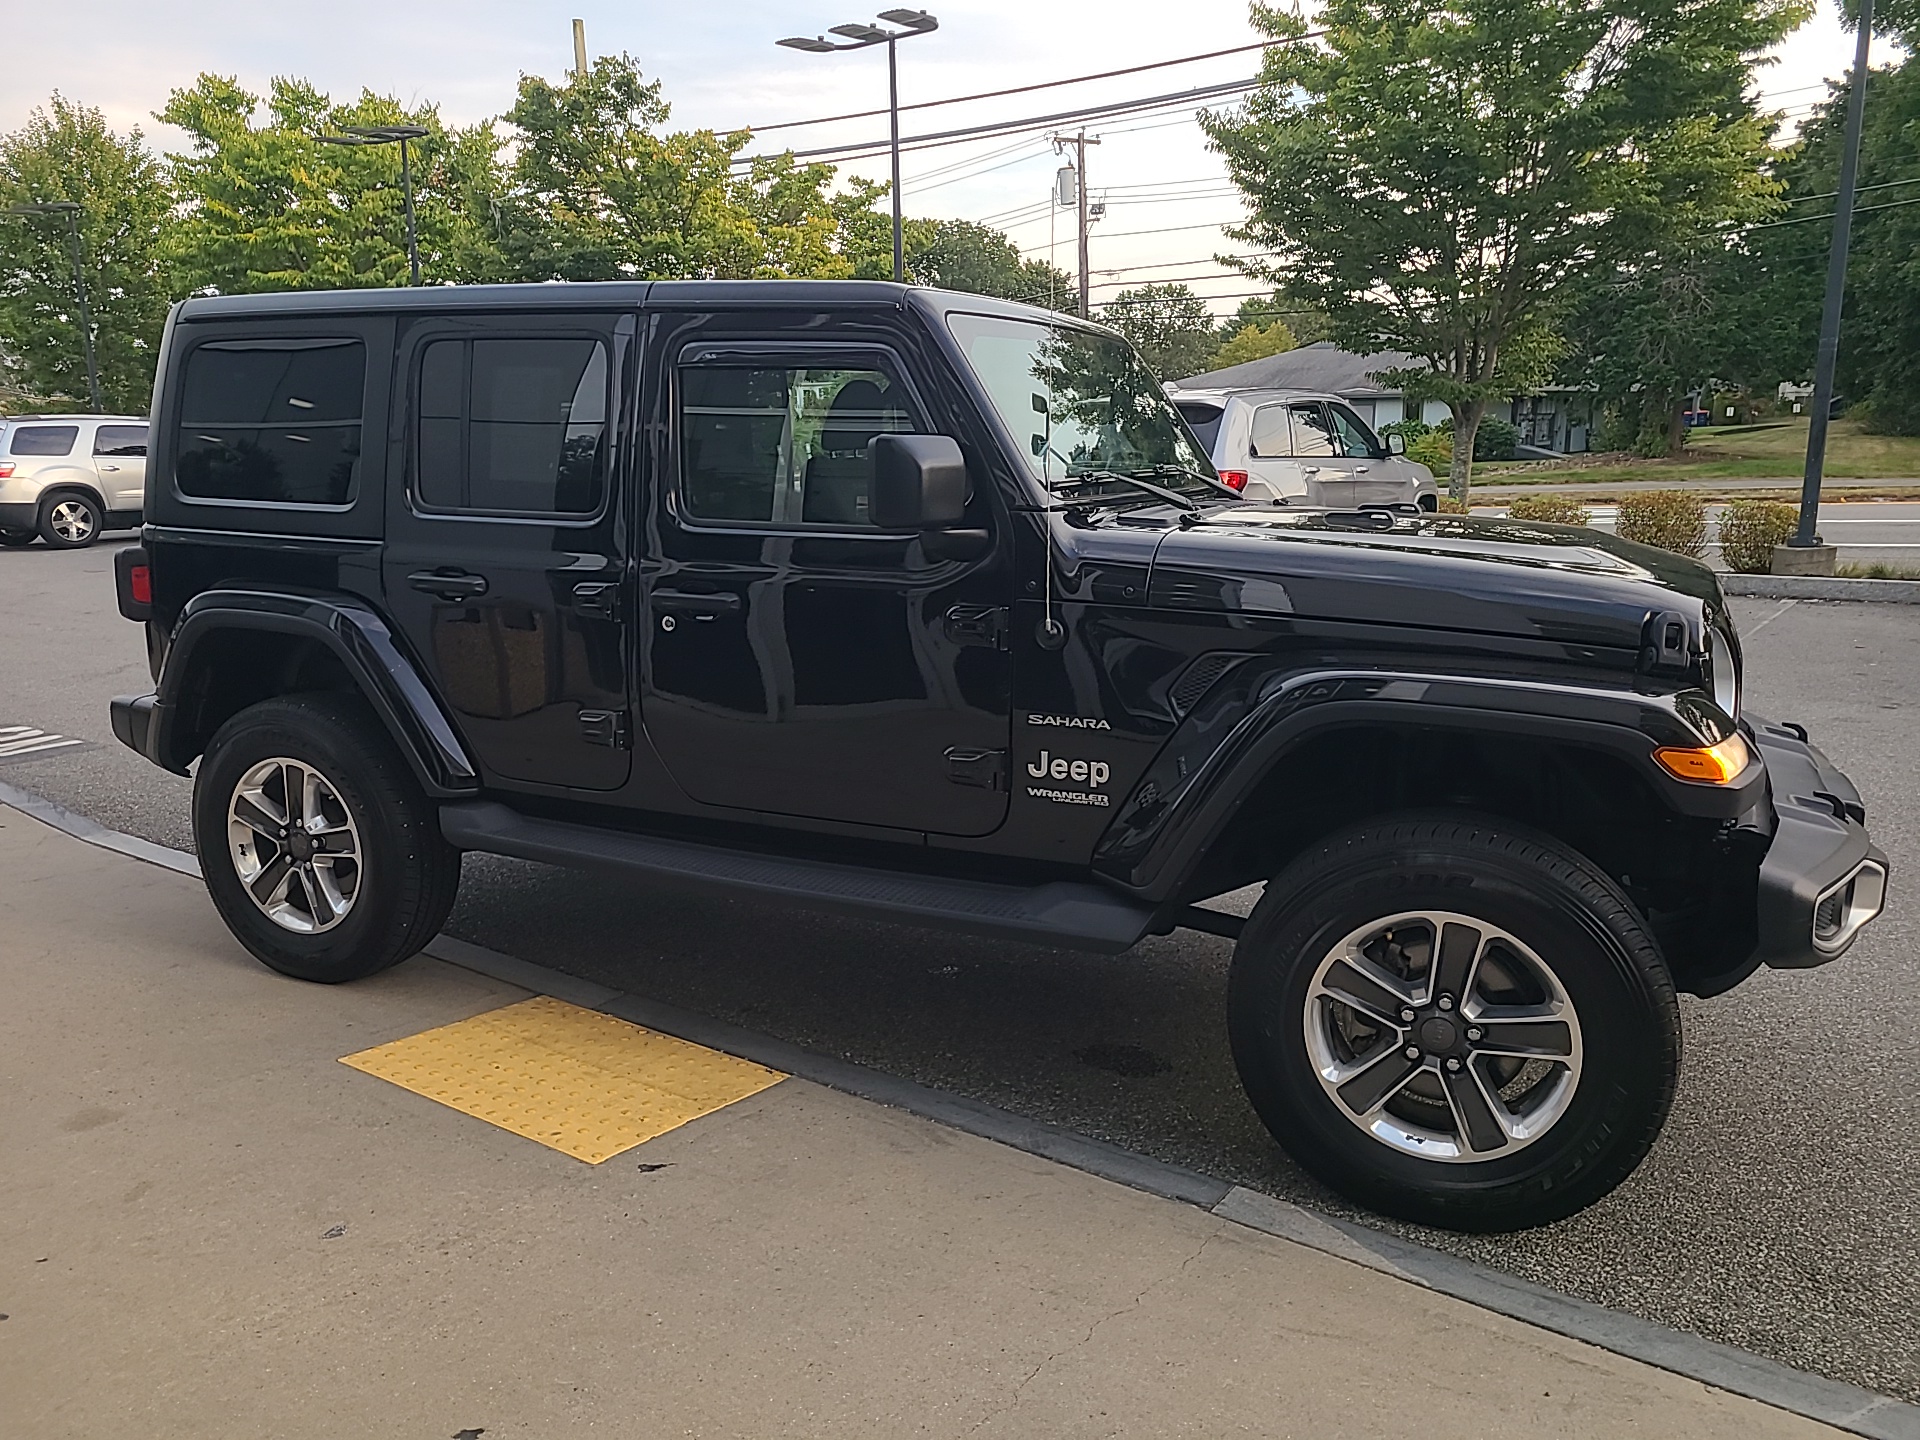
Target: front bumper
1823,878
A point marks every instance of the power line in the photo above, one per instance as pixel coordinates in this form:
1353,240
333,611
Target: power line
1859,190
1808,219
868,149
1042,85
1163,230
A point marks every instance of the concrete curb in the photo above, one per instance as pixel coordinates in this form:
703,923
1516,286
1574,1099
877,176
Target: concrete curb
1833,1402
1822,587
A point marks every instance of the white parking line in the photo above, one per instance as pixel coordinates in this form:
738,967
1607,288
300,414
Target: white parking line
18,740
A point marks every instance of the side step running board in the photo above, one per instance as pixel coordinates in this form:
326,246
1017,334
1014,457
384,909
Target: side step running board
1061,912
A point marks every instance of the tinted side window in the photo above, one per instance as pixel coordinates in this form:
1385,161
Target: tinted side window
1270,433
512,426
43,440
124,440
1312,435
1356,440
1203,420
783,446
274,421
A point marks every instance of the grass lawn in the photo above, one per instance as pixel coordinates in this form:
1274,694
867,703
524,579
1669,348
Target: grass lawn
1732,452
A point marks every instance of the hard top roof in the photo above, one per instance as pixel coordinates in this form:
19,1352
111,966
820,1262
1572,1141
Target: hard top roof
610,294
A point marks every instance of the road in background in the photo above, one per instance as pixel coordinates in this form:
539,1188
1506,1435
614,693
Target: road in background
1780,1212
1866,531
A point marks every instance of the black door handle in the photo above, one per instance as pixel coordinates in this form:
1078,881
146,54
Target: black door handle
700,607
453,585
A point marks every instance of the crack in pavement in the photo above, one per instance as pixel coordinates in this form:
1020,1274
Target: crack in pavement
1013,1399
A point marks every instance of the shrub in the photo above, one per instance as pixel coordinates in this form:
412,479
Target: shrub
1553,509
1670,519
1496,439
1411,429
1433,450
1447,505
1749,529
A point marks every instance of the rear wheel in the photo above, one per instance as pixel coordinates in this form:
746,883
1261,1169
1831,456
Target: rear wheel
319,848
1456,1023
70,519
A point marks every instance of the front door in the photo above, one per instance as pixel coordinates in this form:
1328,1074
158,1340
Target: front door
504,565
797,660
1363,471
120,459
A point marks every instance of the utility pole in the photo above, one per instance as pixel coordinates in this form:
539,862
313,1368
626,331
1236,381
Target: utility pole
71,209
580,49
1080,143
1804,554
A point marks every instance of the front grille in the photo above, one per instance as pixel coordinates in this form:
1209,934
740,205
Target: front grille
1831,913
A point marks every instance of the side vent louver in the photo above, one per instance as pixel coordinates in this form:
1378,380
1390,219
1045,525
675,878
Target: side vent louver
1199,677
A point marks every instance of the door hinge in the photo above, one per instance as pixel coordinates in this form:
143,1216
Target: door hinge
984,769
604,727
978,625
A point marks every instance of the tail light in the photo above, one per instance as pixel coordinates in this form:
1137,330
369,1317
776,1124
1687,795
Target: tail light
1234,479
133,583
6,469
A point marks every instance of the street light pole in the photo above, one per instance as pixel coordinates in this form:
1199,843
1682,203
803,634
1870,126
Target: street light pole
1804,537
71,209
859,37
387,135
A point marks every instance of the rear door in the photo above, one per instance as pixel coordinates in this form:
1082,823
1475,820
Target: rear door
505,565
120,458
1274,455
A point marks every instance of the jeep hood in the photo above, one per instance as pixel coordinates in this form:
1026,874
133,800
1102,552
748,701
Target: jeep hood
1508,577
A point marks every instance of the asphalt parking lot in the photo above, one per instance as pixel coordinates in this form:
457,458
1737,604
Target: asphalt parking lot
1780,1211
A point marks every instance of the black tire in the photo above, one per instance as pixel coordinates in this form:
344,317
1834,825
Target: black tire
15,539
406,875
1625,1039
71,519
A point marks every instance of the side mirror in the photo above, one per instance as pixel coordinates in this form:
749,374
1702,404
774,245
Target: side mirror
1396,443
919,483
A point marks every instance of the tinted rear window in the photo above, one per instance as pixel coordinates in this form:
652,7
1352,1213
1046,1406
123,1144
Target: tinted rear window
120,440
43,440
1203,420
275,421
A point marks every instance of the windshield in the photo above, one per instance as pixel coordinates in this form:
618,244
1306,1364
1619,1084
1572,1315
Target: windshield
1081,405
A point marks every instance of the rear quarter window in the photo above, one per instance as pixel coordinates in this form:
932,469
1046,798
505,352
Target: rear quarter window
1203,420
273,422
43,439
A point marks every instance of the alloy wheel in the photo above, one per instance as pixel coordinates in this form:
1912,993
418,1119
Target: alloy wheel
1443,1037
294,845
72,521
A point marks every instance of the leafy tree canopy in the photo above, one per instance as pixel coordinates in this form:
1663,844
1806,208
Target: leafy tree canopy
66,152
1168,324
1437,177
1253,342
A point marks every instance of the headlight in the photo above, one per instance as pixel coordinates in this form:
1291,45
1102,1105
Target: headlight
1723,671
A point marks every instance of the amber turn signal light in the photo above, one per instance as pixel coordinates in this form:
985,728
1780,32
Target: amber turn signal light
1715,764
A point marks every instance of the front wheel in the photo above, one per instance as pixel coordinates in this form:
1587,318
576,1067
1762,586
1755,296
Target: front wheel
319,848
1457,1023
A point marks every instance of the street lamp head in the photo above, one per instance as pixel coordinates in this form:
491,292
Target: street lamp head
865,34
813,46
45,207
918,20
373,134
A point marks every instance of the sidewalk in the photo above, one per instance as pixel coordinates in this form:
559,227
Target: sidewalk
210,1228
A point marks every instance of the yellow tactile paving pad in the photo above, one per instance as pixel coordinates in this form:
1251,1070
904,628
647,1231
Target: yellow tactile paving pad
587,1084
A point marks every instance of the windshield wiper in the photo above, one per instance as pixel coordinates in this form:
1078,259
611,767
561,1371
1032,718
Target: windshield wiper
1172,497
1182,470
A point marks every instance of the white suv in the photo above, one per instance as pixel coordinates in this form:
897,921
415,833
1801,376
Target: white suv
66,478
1290,447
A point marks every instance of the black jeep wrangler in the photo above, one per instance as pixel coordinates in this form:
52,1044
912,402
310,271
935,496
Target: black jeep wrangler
930,608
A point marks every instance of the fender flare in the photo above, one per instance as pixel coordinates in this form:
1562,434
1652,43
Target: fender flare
356,636
1254,716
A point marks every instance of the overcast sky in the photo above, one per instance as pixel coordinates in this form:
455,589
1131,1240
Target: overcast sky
1165,193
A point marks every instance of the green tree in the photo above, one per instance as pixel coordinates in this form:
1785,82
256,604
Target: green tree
1306,324
66,152
1168,324
962,255
266,206
1437,178
1253,342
